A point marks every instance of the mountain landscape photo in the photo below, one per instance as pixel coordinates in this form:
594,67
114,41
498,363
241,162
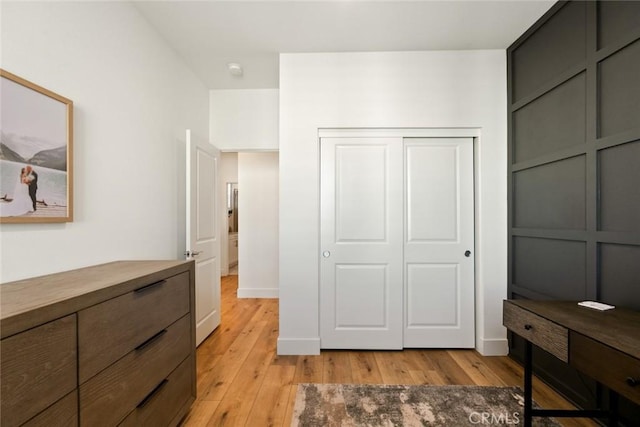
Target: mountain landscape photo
15,148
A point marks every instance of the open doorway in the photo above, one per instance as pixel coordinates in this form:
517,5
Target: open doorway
229,221
250,224
232,226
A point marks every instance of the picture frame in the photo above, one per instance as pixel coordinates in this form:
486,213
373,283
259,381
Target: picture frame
36,153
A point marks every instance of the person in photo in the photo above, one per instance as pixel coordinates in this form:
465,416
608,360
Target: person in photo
32,182
19,202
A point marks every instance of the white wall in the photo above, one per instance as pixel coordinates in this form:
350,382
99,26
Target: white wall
258,225
402,89
244,119
133,99
228,173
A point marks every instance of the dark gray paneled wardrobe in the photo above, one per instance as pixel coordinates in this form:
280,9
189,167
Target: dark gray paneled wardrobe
574,168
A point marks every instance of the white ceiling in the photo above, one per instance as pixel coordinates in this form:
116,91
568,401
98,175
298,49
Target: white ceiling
212,33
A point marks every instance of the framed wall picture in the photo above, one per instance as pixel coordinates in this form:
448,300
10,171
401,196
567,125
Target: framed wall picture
36,153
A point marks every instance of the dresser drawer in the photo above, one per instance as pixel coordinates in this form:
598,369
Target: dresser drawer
538,330
38,367
606,365
63,413
166,400
107,398
109,330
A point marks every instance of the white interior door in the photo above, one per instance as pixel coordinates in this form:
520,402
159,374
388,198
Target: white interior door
438,232
361,243
203,242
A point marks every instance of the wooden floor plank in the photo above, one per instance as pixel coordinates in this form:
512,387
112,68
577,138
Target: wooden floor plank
241,382
206,372
200,413
393,367
448,369
271,404
232,362
231,326
364,368
290,406
473,365
336,367
309,369
239,399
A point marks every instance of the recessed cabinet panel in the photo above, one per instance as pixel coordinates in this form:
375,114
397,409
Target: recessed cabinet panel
619,188
552,122
432,297
551,196
620,275
361,193
555,268
616,20
361,296
558,45
619,91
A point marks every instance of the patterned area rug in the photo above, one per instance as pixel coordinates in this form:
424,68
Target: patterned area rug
350,405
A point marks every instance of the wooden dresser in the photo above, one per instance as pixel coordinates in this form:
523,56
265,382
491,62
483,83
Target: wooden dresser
605,345
107,345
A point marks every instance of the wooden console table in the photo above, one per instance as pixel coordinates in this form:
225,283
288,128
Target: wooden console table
604,345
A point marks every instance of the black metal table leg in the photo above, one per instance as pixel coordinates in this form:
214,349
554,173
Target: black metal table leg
528,373
613,408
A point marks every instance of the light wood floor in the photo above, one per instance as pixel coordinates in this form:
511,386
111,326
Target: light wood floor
242,382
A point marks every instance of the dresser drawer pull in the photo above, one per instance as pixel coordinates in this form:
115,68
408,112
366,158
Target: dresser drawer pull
528,327
153,393
144,288
152,339
633,381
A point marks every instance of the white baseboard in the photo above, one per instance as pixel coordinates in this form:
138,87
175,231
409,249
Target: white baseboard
311,346
493,347
258,293
298,346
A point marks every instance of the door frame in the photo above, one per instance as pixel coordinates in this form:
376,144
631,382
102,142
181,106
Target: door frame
410,132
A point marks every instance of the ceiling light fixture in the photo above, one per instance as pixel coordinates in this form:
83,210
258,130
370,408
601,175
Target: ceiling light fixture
235,69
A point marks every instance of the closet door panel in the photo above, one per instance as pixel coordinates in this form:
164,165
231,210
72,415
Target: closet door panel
397,243
439,243
361,243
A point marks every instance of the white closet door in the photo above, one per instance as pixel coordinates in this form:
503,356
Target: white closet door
361,243
438,232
